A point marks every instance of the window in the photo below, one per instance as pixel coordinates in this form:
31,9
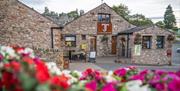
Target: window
146,42
83,37
160,42
70,41
103,17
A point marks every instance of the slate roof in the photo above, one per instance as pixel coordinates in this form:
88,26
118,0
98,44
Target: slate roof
136,29
131,30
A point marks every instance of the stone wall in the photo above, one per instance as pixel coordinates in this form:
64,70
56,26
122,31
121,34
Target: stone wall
87,25
148,56
50,55
22,25
153,55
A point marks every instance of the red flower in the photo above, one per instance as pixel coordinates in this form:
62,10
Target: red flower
60,81
15,65
89,70
7,66
8,80
42,74
28,60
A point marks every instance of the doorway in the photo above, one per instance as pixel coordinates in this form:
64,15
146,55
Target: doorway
114,43
93,43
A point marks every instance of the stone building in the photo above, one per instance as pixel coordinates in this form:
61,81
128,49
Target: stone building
20,24
23,26
145,45
95,30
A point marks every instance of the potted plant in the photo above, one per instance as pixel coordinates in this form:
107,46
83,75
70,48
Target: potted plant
137,39
170,38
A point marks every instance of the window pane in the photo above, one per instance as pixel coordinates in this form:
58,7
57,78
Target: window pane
99,18
103,17
70,41
107,18
83,37
146,43
160,42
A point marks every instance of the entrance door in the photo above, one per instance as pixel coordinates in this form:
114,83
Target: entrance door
93,43
114,43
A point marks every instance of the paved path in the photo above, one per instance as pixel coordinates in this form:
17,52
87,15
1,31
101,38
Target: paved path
84,66
107,63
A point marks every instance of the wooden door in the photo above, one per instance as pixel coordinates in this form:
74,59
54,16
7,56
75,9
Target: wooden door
114,43
93,44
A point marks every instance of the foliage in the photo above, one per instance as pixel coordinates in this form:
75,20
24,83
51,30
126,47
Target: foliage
137,39
20,70
122,10
73,14
170,38
160,24
169,18
140,20
136,19
62,18
104,38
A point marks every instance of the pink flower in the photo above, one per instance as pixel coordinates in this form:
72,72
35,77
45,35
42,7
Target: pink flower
120,72
108,87
178,73
91,86
174,85
1,57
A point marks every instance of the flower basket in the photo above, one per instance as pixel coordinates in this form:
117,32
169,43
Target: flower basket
21,70
170,38
137,39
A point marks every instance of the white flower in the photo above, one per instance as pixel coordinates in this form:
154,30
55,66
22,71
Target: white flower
78,73
27,51
1,65
10,51
109,77
136,86
53,68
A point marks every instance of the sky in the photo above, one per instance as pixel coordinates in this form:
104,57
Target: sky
150,8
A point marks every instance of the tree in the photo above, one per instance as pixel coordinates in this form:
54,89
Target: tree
136,19
73,14
160,24
169,18
46,11
122,10
140,20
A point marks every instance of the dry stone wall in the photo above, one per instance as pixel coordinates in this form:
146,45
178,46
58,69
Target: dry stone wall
22,25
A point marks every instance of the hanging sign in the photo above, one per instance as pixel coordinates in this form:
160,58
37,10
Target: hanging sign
138,50
104,28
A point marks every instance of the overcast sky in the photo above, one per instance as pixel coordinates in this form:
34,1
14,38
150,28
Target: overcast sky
149,8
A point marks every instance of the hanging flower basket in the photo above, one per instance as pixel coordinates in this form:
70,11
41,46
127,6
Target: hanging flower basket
170,38
137,39
104,38
123,39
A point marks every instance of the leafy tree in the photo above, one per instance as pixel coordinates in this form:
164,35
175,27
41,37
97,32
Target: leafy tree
73,14
81,12
46,11
140,20
122,10
160,24
169,18
136,19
